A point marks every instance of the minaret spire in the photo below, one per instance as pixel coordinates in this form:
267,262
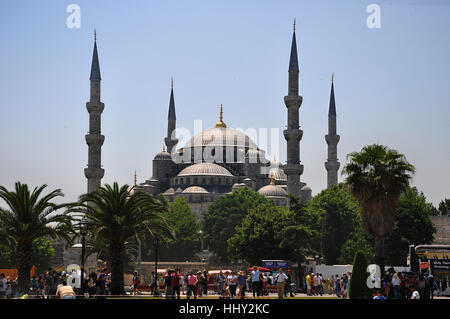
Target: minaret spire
332,164
94,139
221,123
170,140
293,134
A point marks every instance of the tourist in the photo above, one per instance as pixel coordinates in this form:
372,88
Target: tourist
396,285
241,285
421,284
338,286
220,282
256,282
168,284
153,282
308,284
414,293
232,281
191,282
204,286
288,287
281,279
65,292
135,283
3,284
320,284
100,284
379,295
176,283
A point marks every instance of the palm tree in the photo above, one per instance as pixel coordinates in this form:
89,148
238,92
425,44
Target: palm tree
30,216
117,215
377,176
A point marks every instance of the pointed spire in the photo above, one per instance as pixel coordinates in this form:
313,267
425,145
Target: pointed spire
332,109
135,179
271,179
95,67
172,103
293,62
164,149
221,122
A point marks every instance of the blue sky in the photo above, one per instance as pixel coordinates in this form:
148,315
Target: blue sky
391,84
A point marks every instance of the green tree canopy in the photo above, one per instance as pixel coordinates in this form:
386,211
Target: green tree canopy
358,281
376,177
42,255
28,217
444,207
269,232
337,217
412,226
117,216
186,227
224,215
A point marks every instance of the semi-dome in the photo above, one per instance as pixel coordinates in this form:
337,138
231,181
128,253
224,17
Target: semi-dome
205,169
163,155
278,174
220,137
272,191
195,190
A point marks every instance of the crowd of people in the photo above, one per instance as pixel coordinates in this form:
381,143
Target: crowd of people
226,284
57,284
393,285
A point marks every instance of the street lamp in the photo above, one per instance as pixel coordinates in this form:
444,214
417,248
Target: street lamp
156,266
83,232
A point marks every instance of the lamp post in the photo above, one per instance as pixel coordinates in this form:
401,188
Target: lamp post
156,266
83,232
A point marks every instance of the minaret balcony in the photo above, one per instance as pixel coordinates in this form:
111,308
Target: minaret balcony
94,139
332,165
94,172
293,169
293,101
332,139
95,107
293,134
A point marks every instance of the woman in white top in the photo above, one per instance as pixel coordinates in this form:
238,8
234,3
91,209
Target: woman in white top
232,280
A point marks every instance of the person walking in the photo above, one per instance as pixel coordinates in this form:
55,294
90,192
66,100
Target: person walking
241,285
232,281
192,281
281,279
168,284
176,283
220,282
288,287
3,286
256,282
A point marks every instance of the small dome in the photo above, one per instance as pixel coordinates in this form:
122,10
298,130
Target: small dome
255,153
305,188
179,190
196,190
163,156
272,191
205,169
170,191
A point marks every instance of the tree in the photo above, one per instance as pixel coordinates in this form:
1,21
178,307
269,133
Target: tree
186,227
358,285
30,216
412,226
116,216
357,241
43,253
224,215
444,207
269,232
338,216
377,176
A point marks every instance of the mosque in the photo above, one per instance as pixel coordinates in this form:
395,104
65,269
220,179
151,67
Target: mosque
220,159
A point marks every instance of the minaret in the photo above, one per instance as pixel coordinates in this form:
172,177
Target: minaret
170,140
94,139
293,134
332,164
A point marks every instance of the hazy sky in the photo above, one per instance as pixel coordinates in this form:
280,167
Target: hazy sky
391,83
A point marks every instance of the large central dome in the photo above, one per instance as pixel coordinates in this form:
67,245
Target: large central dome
220,136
